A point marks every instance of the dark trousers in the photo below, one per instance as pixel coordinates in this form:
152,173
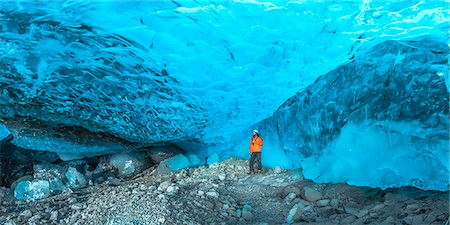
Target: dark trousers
253,157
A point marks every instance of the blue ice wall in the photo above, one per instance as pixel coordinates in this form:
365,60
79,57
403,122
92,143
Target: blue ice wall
380,120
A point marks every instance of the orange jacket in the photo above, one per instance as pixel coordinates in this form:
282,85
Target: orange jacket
255,144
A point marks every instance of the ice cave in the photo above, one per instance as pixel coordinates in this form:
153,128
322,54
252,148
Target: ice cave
102,97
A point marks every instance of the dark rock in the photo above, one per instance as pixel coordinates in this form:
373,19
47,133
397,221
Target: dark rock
290,189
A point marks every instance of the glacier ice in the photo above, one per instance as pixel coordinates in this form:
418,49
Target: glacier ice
32,190
127,165
213,158
52,173
141,77
85,78
45,171
385,155
194,160
75,179
178,162
4,132
56,185
380,120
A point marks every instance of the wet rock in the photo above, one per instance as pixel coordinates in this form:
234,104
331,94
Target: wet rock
378,207
209,204
222,176
290,189
247,215
348,220
410,208
291,196
113,181
164,185
391,220
277,170
213,194
54,216
311,194
302,210
26,214
323,202
359,213
34,219
77,206
173,189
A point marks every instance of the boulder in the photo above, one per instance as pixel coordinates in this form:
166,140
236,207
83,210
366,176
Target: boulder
310,194
290,189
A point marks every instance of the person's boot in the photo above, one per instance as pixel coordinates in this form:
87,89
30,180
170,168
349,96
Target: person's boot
259,171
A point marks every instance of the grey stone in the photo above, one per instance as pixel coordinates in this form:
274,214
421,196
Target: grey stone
311,194
212,194
54,216
334,203
164,185
323,202
77,206
247,215
290,189
222,176
277,170
172,189
26,214
291,196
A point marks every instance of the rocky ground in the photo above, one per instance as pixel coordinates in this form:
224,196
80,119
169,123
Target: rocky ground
223,193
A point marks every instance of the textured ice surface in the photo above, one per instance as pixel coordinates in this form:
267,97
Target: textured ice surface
146,70
4,132
213,158
384,155
178,162
45,171
75,179
380,120
96,77
32,190
127,164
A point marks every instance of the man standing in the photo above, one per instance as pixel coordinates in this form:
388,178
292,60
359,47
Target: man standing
255,150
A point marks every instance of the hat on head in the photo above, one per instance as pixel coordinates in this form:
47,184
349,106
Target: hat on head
256,131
